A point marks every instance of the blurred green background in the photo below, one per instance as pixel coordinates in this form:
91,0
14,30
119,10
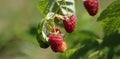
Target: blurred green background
18,22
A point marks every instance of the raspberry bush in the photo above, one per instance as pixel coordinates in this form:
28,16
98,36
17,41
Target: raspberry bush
60,28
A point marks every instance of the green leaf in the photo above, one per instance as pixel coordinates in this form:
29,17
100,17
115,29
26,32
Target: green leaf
43,6
67,2
110,18
112,40
81,52
85,37
40,38
55,6
68,53
62,7
86,42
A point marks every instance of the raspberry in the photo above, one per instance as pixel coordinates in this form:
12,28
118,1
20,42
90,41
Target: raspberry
58,30
70,23
63,47
55,41
91,6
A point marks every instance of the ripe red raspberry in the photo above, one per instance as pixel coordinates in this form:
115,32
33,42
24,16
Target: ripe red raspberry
55,41
58,30
91,6
70,23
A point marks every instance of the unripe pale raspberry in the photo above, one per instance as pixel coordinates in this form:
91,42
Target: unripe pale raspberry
63,47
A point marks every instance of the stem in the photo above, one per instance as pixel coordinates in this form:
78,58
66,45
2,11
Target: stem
55,14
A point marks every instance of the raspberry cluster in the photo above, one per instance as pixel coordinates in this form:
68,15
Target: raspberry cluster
56,40
54,34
